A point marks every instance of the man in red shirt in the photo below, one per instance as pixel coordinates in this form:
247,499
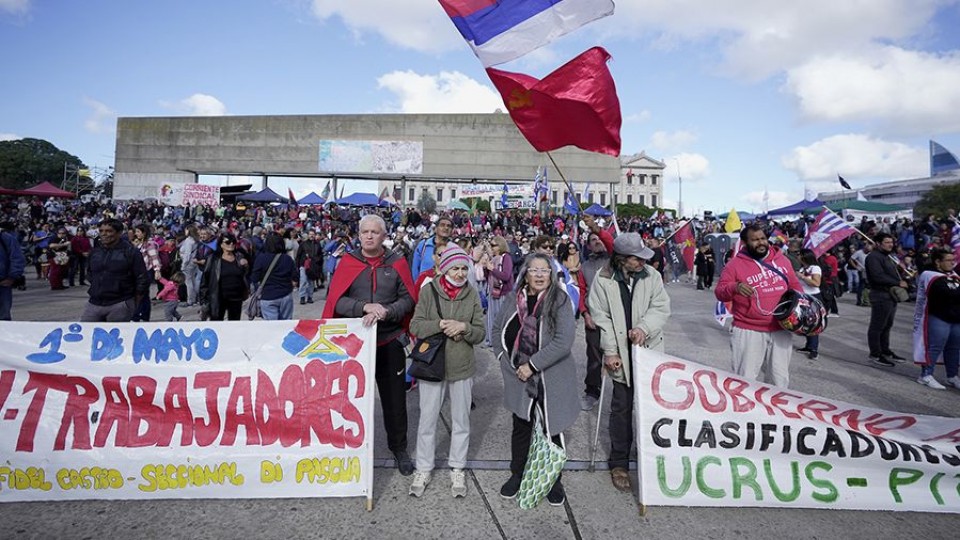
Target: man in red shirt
754,280
80,247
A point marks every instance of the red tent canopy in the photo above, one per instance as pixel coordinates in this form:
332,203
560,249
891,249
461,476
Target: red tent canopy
46,189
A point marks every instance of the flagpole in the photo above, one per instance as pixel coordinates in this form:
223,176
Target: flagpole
564,178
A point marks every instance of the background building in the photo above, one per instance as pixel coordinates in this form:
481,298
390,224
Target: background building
944,169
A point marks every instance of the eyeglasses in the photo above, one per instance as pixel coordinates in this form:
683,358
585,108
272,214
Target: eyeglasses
539,271
227,241
548,246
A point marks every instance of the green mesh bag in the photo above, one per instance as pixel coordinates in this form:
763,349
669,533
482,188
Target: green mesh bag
544,463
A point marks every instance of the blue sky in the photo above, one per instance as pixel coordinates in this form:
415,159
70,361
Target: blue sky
743,95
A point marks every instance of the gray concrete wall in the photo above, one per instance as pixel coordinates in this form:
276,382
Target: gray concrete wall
455,146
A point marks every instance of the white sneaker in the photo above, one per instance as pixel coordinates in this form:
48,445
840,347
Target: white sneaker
458,483
928,380
953,381
419,484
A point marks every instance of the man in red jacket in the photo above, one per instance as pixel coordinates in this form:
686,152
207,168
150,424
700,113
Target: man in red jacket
754,280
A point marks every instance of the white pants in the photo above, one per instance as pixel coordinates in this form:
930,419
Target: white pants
770,351
431,399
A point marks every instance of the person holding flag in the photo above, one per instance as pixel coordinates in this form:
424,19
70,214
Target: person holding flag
936,330
882,276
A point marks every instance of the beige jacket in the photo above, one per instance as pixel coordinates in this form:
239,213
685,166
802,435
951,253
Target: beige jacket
650,311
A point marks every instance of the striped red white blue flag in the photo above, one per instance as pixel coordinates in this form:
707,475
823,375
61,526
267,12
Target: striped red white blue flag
827,231
721,313
502,30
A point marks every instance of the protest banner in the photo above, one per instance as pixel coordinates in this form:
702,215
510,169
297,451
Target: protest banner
193,410
201,194
484,191
173,194
516,204
707,437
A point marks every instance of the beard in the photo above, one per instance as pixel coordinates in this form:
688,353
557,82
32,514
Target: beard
759,252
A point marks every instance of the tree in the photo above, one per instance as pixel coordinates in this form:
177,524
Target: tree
27,162
426,203
483,205
634,210
938,200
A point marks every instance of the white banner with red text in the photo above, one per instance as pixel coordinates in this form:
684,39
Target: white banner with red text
707,437
193,410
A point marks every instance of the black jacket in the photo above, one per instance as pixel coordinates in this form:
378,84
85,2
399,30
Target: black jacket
117,274
210,284
881,271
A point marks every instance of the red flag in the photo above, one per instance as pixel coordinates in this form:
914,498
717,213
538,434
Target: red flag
682,247
293,200
575,105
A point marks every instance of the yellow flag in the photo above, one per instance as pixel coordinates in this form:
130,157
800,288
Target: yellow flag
733,223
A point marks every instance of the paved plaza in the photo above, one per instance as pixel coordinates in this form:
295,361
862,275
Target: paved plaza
594,509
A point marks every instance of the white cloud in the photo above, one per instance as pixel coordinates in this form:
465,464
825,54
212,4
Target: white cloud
907,91
102,118
693,167
856,156
197,105
448,92
776,199
15,6
672,141
420,25
758,38
9,137
637,118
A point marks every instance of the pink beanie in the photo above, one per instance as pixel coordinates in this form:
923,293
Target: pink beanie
452,256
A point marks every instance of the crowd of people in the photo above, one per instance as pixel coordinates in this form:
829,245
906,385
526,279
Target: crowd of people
515,282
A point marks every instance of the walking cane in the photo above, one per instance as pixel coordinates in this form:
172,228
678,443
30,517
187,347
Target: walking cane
596,435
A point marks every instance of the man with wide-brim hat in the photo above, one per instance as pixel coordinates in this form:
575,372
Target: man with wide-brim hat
630,306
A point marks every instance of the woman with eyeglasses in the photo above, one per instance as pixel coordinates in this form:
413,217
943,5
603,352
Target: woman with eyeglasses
533,335
223,285
936,332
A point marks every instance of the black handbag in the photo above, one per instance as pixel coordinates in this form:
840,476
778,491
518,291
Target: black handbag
429,362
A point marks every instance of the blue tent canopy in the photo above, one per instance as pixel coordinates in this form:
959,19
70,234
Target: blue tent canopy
362,199
266,196
796,208
597,210
312,198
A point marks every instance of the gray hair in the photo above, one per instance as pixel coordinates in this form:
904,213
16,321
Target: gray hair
556,298
375,218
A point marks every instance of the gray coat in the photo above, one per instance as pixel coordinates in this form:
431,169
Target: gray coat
553,362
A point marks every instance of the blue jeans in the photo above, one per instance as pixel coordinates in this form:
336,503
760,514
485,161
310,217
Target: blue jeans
853,282
942,337
6,302
306,285
280,309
